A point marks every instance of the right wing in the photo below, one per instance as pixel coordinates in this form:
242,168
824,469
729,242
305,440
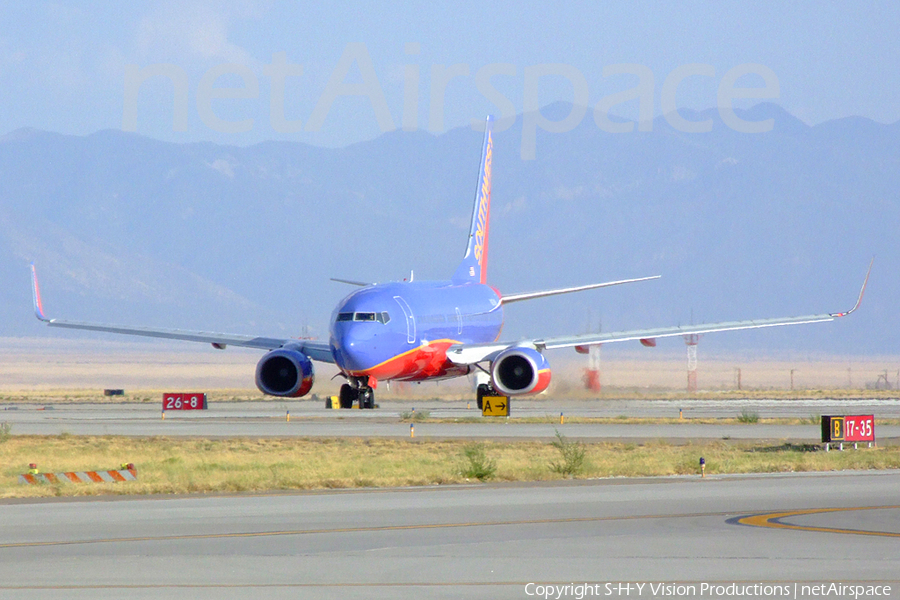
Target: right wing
662,332
467,354
319,351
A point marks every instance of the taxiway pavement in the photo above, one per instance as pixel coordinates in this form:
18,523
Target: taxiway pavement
311,419
477,541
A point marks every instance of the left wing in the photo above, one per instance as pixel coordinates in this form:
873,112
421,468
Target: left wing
467,354
319,351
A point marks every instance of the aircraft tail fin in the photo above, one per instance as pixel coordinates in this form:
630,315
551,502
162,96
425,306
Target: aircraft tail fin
473,268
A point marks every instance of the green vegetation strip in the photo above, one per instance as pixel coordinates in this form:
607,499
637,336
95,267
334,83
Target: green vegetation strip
168,466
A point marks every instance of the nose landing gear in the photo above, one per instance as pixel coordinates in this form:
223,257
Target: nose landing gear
357,390
347,396
366,397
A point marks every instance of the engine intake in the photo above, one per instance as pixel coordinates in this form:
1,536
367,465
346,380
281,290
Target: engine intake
520,371
285,372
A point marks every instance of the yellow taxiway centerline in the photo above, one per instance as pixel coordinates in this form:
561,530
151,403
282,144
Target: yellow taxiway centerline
773,521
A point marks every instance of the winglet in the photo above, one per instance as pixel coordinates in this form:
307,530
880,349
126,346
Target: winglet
36,294
861,292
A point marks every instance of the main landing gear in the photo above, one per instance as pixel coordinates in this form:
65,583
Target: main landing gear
361,393
484,389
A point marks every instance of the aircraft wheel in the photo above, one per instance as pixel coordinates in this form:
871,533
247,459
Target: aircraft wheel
348,395
367,399
482,391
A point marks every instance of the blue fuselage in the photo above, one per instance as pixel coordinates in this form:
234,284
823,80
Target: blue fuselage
402,330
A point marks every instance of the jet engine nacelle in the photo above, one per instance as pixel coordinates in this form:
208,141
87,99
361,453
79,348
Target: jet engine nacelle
285,372
520,371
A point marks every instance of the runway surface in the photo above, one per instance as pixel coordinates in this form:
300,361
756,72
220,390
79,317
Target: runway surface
310,418
463,541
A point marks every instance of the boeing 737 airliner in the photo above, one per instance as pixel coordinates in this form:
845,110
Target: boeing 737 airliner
426,330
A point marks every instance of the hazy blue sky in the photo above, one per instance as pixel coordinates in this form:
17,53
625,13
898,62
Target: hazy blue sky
63,66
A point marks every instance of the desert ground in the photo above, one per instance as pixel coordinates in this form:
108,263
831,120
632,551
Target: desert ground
54,363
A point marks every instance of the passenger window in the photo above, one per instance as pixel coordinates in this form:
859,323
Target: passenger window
361,316
344,317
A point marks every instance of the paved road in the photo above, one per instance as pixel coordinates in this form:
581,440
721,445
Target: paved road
311,419
461,541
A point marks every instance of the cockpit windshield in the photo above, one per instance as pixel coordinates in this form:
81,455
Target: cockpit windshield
381,317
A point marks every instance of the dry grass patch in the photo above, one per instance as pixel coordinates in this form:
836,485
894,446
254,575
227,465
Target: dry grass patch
167,465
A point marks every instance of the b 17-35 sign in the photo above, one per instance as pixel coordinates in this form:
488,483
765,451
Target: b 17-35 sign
849,428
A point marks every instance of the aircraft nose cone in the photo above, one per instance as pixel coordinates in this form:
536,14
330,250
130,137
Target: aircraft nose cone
351,349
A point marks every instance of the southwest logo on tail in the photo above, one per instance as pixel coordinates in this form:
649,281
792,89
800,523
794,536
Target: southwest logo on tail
426,330
474,264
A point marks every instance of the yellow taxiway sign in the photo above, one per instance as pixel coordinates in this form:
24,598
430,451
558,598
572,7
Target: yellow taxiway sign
495,406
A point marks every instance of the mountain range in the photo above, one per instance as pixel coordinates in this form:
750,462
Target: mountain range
127,229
